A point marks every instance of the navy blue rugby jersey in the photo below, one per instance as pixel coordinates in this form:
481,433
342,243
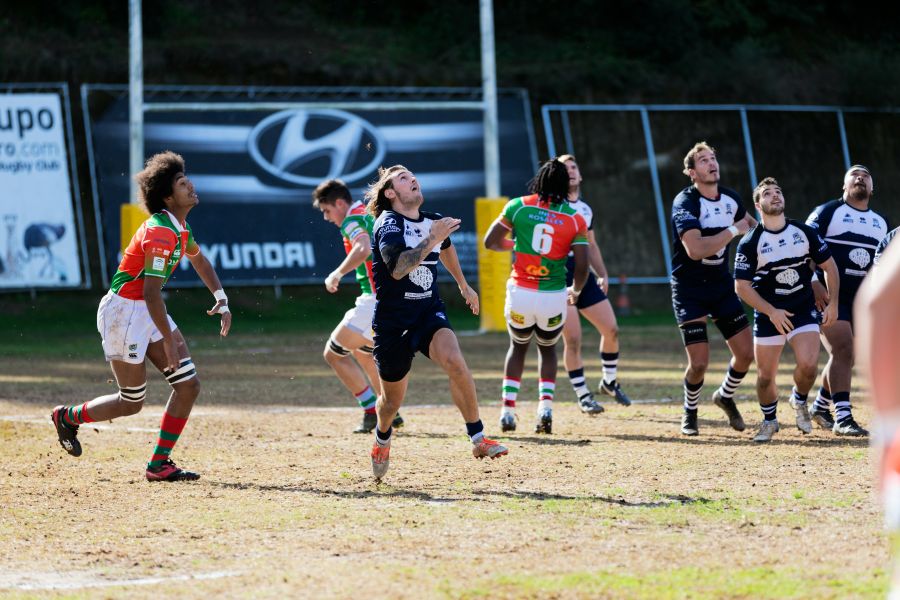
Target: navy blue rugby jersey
583,209
691,210
853,236
778,263
402,301
882,246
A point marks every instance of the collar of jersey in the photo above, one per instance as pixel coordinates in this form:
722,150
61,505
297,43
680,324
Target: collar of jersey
851,207
175,222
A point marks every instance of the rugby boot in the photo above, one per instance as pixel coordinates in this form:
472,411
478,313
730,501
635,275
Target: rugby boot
766,431
398,422
735,420
381,459
822,418
589,406
169,472
368,423
804,421
488,448
508,422
849,427
689,422
614,390
67,434
545,422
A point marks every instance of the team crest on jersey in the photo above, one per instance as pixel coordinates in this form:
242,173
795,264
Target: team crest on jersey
798,239
860,257
728,210
788,277
422,277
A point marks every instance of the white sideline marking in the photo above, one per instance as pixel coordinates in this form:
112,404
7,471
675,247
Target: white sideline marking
75,581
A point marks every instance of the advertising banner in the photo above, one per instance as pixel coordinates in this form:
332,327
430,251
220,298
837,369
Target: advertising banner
39,239
254,169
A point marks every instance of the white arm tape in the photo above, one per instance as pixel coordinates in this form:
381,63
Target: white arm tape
219,294
734,231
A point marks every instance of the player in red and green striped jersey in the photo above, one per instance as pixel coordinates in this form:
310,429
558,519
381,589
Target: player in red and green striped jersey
544,228
353,337
134,324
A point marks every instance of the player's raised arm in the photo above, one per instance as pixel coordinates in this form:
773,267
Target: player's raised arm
450,260
208,276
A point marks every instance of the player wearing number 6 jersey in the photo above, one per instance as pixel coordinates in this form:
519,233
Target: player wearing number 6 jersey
544,227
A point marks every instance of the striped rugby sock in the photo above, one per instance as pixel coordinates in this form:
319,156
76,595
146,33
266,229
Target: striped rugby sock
169,430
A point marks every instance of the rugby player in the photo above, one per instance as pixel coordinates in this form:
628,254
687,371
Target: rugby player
594,304
353,337
410,316
705,218
877,328
134,325
544,228
853,231
772,274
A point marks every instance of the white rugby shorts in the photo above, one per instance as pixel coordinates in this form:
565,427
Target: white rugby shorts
359,318
524,308
126,328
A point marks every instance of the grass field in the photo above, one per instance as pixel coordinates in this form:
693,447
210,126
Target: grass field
618,506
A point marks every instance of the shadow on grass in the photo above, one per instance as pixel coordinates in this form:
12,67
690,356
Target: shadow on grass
740,439
387,490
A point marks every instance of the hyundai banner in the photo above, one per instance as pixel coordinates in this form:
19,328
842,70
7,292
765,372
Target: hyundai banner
254,170
39,240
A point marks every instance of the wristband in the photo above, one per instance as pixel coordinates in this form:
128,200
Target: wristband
219,294
734,231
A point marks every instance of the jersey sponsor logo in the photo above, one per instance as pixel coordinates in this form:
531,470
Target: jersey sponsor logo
132,347
860,257
766,248
788,277
389,221
740,258
389,229
417,295
159,263
545,217
847,219
282,145
876,224
537,270
554,321
422,277
440,315
516,318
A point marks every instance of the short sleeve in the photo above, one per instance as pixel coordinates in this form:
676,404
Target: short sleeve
818,248
580,231
158,245
685,214
193,248
745,258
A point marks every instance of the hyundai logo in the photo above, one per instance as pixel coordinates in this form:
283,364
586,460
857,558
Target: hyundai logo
306,146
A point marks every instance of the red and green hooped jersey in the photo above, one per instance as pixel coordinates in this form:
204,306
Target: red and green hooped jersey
356,223
154,251
543,235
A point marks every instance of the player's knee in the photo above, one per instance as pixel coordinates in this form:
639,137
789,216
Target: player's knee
764,381
548,338
807,369
184,379
132,399
455,365
843,352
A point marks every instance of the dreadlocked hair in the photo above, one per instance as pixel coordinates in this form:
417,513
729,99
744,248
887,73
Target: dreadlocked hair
377,201
551,182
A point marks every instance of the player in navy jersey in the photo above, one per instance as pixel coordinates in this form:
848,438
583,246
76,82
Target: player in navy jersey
705,218
853,231
594,305
772,274
410,316
882,246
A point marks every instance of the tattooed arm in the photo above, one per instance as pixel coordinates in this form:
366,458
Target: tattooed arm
408,260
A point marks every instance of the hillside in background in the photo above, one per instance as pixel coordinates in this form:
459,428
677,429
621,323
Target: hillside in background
763,51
